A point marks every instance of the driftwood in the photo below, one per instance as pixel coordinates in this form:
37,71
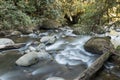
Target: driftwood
14,46
96,65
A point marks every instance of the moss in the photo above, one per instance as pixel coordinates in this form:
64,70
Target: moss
118,48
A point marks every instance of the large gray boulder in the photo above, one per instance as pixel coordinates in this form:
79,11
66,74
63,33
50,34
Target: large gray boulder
6,41
32,57
28,59
98,45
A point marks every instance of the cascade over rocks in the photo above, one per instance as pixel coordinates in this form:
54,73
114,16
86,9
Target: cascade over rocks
97,45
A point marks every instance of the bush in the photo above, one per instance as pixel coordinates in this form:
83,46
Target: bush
11,17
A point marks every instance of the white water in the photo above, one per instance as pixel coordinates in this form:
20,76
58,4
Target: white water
74,53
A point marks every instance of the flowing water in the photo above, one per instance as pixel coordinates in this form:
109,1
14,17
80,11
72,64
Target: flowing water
70,59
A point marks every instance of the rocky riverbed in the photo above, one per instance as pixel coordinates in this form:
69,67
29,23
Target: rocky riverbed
60,55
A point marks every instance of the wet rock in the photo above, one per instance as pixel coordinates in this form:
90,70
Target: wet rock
28,59
40,46
80,29
15,33
48,39
25,30
6,41
68,32
48,24
2,33
98,45
55,78
33,35
43,54
115,41
31,48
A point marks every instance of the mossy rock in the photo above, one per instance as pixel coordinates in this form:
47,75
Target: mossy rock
48,24
80,29
118,48
99,45
85,29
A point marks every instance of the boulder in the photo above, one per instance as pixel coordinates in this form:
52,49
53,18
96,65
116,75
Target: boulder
80,29
6,41
15,33
55,78
28,59
33,35
98,45
48,39
48,24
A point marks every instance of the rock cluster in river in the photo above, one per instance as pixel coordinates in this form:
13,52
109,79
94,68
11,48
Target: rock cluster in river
34,54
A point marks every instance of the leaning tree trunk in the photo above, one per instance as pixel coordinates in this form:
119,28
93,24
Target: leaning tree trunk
15,46
12,46
97,64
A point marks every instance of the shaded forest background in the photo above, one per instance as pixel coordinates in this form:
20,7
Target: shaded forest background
29,13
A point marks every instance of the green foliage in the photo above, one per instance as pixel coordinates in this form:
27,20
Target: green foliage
24,13
11,17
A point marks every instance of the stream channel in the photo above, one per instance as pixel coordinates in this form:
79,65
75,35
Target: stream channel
69,60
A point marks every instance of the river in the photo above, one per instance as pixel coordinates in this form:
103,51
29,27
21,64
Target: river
70,59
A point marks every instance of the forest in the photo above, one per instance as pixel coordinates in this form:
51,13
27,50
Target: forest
29,13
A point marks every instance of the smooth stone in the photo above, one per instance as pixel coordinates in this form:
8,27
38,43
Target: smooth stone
6,41
43,34
55,78
69,32
48,39
28,59
15,33
31,48
33,35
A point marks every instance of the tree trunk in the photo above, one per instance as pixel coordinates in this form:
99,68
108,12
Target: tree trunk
97,64
13,46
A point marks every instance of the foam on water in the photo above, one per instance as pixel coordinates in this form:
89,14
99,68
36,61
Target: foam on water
75,54
55,46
